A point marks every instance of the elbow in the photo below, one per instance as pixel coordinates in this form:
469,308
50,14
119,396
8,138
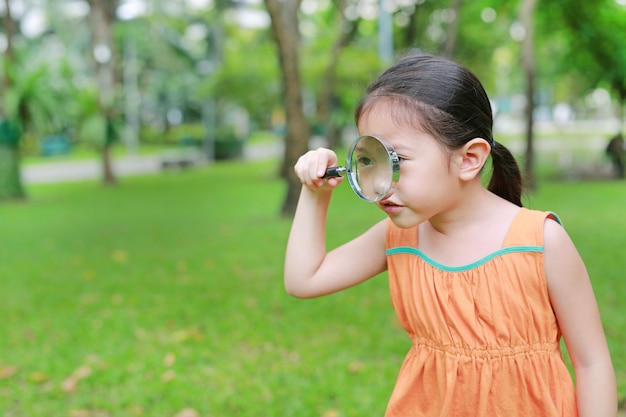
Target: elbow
297,291
292,284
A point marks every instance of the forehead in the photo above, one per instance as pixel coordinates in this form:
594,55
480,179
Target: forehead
395,112
368,143
403,111
392,122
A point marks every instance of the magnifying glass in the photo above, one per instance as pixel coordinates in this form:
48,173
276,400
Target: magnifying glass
372,168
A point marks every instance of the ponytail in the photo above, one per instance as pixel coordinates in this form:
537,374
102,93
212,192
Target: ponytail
506,178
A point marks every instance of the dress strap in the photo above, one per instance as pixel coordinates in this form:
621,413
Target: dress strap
527,228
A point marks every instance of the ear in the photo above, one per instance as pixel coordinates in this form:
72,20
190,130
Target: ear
472,157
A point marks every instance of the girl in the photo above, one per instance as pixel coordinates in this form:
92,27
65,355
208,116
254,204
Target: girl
484,288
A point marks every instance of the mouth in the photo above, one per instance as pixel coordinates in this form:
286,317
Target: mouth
390,207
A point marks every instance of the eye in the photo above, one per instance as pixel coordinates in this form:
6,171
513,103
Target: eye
365,161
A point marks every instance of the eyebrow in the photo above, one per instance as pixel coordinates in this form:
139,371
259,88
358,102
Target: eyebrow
362,148
400,148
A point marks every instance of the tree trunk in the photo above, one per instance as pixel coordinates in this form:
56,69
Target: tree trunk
10,181
621,109
326,96
108,176
527,8
284,16
10,173
9,31
411,34
452,30
102,14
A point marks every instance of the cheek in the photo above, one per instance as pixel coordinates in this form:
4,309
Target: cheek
423,177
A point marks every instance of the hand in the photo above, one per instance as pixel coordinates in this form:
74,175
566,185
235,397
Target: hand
312,166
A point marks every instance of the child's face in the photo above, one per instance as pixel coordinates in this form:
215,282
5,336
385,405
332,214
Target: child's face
428,182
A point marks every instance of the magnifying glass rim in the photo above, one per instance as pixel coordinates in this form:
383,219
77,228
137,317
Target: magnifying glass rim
395,168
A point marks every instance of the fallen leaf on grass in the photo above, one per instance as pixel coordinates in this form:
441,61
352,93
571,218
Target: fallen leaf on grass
168,376
137,410
184,335
356,367
331,413
71,382
169,359
37,377
7,371
187,412
119,256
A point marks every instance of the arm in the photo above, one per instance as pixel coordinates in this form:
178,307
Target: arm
309,270
577,313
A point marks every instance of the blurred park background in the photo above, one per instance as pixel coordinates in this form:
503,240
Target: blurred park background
146,189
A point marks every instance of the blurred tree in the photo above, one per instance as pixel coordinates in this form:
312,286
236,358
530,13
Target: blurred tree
104,58
482,35
339,60
10,183
10,131
449,43
188,79
526,15
327,99
252,87
166,66
284,17
33,89
596,50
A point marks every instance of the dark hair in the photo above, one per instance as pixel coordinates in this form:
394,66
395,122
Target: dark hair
447,101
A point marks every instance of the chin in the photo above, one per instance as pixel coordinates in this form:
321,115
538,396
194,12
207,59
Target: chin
405,223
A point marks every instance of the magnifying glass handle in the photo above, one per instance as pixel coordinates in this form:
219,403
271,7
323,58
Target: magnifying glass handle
335,172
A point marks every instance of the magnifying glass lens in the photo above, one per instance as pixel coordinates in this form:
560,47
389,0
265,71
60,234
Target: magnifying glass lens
373,168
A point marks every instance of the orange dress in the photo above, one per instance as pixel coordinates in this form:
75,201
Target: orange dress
485,338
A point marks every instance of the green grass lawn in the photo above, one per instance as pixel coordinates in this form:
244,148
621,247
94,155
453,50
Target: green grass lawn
165,294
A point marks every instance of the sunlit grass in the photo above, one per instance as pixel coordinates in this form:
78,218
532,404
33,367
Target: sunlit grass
165,294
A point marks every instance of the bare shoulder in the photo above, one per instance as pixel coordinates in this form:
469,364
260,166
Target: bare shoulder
565,269
554,233
561,256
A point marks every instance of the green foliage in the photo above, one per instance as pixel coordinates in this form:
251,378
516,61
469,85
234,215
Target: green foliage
90,125
33,97
151,298
250,83
593,39
93,128
480,52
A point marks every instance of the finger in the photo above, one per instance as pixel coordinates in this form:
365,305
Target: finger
327,160
321,164
334,181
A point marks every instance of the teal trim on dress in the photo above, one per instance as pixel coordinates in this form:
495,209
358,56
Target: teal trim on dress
504,251
555,217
